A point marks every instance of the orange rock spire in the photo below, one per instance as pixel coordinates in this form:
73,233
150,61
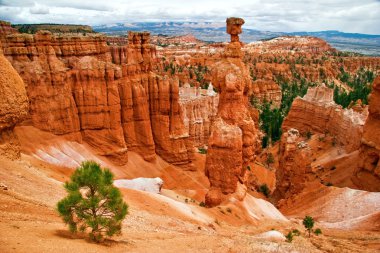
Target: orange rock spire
233,135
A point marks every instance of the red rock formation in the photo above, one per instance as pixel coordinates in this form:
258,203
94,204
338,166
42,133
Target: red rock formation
353,64
6,28
13,107
295,164
72,89
169,133
299,57
267,90
136,64
150,104
107,96
169,40
368,173
234,28
232,139
317,112
305,44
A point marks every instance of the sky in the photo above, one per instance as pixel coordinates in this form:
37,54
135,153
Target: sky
360,16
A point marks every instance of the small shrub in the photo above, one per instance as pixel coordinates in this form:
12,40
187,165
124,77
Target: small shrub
186,201
333,167
249,168
318,231
289,237
202,151
264,189
308,222
270,159
308,135
329,184
229,210
296,232
202,204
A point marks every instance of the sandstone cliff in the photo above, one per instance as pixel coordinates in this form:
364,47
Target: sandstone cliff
317,112
113,98
368,172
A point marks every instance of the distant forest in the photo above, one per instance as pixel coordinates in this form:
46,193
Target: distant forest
54,28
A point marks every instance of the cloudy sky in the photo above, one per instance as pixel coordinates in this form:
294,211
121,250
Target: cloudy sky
362,16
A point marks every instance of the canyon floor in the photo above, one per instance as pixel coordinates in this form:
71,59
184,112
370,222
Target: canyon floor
169,222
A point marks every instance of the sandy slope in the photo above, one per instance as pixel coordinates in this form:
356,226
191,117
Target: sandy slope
156,223
333,207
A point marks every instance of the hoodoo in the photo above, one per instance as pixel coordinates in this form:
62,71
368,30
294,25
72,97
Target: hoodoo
13,107
233,134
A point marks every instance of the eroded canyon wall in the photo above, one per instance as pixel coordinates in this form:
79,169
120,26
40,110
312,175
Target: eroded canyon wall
368,173
113,98
317,112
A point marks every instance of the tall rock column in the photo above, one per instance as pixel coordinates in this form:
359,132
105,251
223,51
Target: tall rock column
232,140
137,77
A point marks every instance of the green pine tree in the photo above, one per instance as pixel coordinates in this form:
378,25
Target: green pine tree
308,222
93,204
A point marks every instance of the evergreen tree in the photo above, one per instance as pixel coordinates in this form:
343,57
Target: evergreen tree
308,222
93,204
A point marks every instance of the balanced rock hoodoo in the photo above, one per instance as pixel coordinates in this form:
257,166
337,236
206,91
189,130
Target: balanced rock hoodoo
232,140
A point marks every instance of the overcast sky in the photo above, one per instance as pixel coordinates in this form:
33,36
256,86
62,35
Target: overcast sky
362,16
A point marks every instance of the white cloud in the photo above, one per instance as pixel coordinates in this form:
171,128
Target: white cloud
275,15
42,10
